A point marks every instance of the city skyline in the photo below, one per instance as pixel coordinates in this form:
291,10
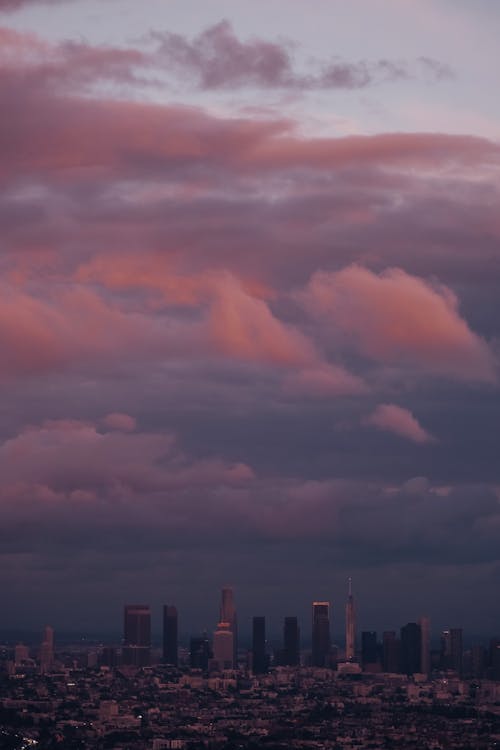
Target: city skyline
249,312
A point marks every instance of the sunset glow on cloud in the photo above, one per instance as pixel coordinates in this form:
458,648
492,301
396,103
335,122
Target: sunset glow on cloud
246,296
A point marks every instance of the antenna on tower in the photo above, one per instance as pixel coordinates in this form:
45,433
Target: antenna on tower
350,586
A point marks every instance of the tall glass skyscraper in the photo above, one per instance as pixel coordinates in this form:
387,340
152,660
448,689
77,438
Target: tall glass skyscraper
137,635
170,635
350,626
320,633
259,656
228,614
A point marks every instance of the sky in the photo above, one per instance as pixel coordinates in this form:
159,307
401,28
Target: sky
250,284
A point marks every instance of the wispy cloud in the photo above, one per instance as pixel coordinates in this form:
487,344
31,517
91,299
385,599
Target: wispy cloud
400,421
217,58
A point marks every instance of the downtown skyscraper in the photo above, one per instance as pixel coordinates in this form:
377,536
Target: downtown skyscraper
170,635
259,656
136,635
291,642
350,626
228,615
320,633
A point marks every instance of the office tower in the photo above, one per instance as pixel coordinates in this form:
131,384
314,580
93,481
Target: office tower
320,633
136,635
291,642
452,650
47,650
259,656
390,652
228,614
411,647
425,654
224,646
199,653
21,653
369,650
350,626
478,661
170,635
457,649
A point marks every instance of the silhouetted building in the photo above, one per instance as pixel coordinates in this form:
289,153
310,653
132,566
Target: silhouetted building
259,656
411,647
493,671
350,626
291,642
369,650
228,614
390,652
170,635
452,650
199,653
478,661
223,646
425,645
320,633
47,650
137,635
21,654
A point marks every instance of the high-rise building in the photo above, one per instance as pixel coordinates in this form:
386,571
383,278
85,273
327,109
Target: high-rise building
452,649
21,654
478,661
170,635
493,671
390,652
320,633
228,615
291,642
224,646
47,650
411,648
369,650
425,654
199,653
259,656
350,626
136,635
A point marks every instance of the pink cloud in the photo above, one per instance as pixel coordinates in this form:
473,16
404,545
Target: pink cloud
400,319
244,327
69,456
78,328
238,323
400,421
322,381
86,135
120,422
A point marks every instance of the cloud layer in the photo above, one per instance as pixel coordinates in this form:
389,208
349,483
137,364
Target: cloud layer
229,344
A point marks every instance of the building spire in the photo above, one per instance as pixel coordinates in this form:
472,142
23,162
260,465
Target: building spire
349,590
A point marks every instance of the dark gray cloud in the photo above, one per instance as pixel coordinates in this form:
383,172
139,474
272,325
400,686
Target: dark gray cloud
218,59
